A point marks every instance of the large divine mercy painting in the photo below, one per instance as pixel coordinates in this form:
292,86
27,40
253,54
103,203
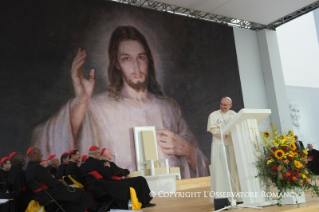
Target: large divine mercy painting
81,73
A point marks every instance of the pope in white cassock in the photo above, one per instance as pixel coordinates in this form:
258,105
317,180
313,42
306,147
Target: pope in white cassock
219,180
134,98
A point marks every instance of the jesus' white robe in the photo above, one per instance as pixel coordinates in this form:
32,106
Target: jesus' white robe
109,123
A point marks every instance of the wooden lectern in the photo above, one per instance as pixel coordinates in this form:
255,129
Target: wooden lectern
248,148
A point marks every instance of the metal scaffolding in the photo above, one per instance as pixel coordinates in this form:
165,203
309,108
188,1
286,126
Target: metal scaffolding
293,15
233,22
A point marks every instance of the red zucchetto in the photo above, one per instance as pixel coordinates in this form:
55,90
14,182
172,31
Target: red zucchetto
64,153
29,150
70,152
3,159
51,156
84,157
11,155
94,148
102,151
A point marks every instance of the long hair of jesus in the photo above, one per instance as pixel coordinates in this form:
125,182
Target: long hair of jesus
120,34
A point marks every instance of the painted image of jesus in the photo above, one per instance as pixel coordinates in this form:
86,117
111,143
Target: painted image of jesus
134,98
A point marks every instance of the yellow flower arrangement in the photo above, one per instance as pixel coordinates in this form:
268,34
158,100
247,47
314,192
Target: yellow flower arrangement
267,134
283,164
270,161
274,143
297,164
291,153
279,154
292,146
282,141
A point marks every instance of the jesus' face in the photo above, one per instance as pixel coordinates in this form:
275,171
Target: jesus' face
133,62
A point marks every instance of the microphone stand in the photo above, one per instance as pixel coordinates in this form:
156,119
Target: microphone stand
233,203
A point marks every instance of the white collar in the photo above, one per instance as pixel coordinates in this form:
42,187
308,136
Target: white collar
227,113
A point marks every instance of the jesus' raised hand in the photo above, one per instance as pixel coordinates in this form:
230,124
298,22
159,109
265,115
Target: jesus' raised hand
83,91
83,87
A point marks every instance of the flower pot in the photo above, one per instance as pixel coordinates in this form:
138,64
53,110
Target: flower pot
292,197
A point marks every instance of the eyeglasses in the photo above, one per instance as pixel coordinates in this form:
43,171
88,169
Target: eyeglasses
224,105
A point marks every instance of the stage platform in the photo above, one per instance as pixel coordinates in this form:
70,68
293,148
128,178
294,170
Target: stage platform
201,203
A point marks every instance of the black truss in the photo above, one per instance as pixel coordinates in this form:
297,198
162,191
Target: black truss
233,22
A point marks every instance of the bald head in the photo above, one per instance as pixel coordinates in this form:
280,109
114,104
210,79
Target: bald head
310,147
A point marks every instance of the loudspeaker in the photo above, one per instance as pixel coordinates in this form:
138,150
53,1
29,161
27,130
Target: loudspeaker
220,203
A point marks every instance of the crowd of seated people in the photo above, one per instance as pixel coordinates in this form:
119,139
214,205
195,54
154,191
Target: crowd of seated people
68,183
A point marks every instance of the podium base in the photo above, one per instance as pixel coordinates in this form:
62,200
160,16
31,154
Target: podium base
220,203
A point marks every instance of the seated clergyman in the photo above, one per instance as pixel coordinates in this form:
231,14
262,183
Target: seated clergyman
64,163
17,182
5,167
118,189
53,164
72,168
117,172
75,199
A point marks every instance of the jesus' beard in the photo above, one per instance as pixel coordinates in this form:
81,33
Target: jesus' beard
140,86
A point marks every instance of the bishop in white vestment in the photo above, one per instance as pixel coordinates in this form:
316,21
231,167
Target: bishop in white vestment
218,170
